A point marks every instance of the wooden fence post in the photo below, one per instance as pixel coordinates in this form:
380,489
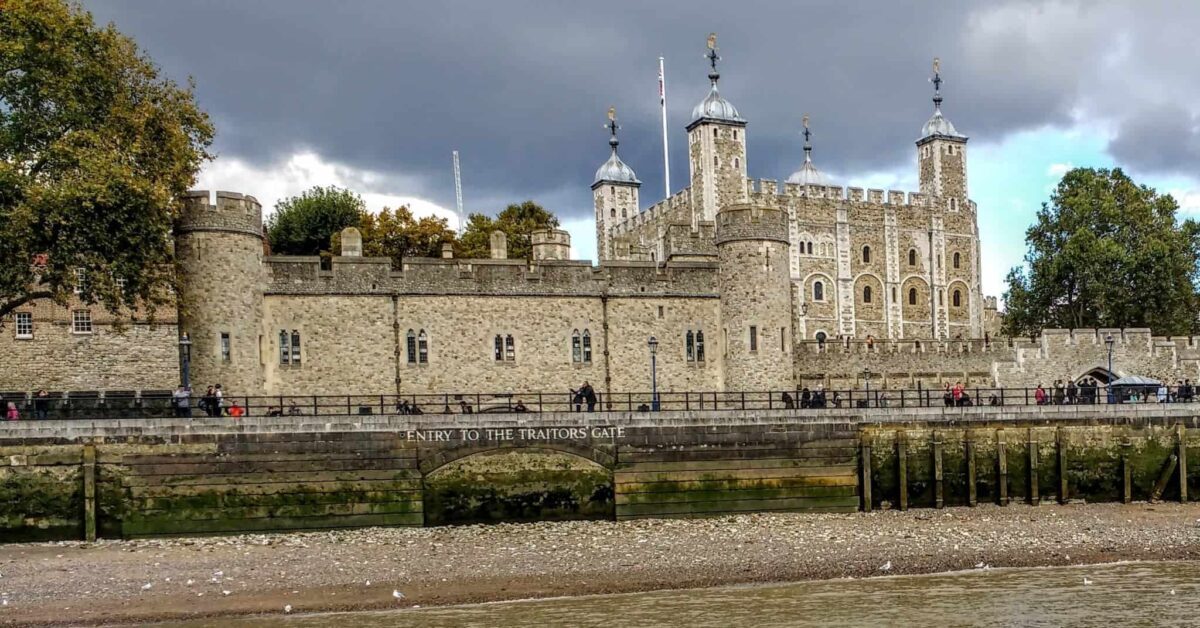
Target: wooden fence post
938,496
1060,440
902,463
1034,500
1002,466
89,492
1126,471
969,452
865,456
1181,431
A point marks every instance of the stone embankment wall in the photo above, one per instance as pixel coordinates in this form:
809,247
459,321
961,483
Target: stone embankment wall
77,479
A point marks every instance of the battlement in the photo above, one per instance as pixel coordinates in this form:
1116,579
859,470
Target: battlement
767,192
750,222
669,209
551,244
685,243
304,275
232,212
989,303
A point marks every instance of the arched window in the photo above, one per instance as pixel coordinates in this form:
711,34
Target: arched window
818,291
587,347
810,249
411,344
422,347
912,296
866,294
612,213
866,255
956,299
953,204
576,347
737,163
699,346
499,348
957,260
716,134
691,346
735,134
295,347
912,257
285,354
716,161
624,213
510,348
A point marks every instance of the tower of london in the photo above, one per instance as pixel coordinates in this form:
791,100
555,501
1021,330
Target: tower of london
743,284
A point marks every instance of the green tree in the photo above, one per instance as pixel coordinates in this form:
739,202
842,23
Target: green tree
1106,252
399,235
306,224
95,149
518,222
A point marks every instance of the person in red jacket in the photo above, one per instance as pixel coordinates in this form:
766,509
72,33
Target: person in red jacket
1039,395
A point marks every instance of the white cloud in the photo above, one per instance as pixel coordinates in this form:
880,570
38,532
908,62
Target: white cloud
1188,199
275,182
1058,170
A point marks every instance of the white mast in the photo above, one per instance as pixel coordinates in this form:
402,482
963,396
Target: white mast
458,196
662,100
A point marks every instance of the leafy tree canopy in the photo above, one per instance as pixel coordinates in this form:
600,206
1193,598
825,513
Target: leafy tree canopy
1106,252
95,149
518,222
306,224
397,234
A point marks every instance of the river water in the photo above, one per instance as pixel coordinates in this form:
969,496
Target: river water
1126,594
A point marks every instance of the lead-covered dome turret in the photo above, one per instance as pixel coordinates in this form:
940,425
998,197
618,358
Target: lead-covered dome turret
938,125
714,106
808,173
614,170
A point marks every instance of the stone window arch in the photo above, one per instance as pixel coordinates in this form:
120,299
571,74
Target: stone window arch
866,294
866,255
411,344
716,160
737,163
735,134
810,248
912,257
576,346
956,299
612,213
716,133
699,345
510,349
818,291
587,347
954,204
690,343
957,260
912,296
499,348
422,347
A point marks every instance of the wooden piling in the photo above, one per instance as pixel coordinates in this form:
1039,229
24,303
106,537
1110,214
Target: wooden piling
1060,444
939,499
89,492
1034,500
1164,478
902,463
969,452
1002,467
865,456
1126,472
1181,432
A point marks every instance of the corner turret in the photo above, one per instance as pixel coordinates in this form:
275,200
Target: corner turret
716,149
942,154
615,191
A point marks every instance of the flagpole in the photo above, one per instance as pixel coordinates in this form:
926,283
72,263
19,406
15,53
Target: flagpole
662,98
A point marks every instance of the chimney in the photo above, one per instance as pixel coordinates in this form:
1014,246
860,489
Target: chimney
447,250
351,242
499,245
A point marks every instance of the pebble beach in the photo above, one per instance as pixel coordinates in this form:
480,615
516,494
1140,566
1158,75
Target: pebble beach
113,582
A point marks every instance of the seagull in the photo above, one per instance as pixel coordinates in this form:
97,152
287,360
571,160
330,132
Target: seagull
979,565
226,592
146,587
1172,591
397,594
886,566
1086,581
287,609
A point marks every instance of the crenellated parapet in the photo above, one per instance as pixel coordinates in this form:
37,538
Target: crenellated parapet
232,212
683,242
750,222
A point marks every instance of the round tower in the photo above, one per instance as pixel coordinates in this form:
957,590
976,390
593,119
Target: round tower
755,288
219,266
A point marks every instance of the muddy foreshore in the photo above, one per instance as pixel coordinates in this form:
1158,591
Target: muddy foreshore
73,583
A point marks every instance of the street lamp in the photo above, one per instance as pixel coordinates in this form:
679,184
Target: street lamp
653,344
866,374
1108,342
185,361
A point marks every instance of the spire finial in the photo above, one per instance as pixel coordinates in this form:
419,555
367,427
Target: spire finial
612,127
807,138
713,58
937,84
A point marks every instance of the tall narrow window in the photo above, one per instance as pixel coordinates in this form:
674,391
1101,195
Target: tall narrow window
510,348
866,255
957,260
576,347
691,346
499,348
957,299
24,325
782,336
295,347
912,257
716,134
810,248
699,346
587,347
912,296
818,291
866,294
411,345
422,347
225,348
285,353
717,161
753,338
735,134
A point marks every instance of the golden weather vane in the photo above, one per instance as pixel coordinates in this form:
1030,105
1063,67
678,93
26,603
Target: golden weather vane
712,41
612,113
937,65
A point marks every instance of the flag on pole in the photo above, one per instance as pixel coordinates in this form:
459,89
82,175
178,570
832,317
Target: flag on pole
662,92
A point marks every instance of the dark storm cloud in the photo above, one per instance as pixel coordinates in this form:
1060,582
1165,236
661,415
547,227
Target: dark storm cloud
520,88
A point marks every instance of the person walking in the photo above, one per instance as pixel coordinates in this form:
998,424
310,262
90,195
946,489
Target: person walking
1059,393
219,396
236,411
948,396
805,398
589,396
208,403
1072,390
12,414
182,400
41,405
1039,395
958,393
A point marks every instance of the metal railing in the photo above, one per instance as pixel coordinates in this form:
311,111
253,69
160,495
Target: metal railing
154,404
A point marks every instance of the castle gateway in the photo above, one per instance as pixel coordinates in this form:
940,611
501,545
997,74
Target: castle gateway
746,285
